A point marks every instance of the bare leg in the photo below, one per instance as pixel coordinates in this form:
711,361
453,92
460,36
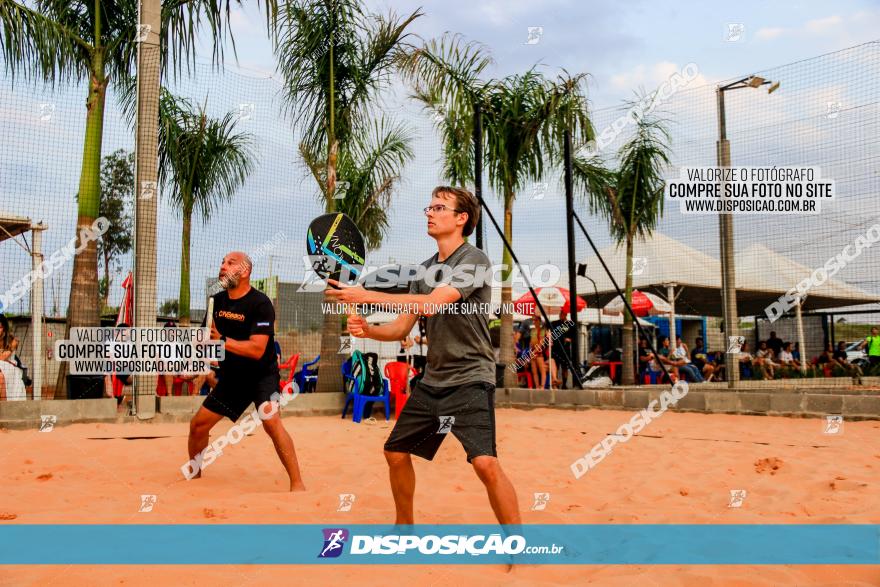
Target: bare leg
2,387
403,485
169,383
502,495
274,427
199,432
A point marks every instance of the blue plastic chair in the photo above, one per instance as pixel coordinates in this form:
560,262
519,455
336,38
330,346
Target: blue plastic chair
359,400
306,376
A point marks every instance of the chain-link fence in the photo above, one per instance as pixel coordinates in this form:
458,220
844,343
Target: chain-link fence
824,115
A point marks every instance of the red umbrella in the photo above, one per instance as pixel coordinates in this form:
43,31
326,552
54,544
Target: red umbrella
125,313
642,304
525,304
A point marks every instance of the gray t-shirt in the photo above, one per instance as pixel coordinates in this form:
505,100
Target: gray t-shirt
459,348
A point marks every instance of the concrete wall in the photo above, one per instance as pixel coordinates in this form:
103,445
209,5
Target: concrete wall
814,401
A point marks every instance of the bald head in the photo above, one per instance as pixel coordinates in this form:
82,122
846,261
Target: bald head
235,269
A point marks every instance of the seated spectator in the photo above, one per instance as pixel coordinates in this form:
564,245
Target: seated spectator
11,375
840,360
716,359
646,358
764,358
679,362
699,359
787,359
682,359
746,362
796,352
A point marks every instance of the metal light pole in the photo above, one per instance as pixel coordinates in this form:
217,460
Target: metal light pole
569,233
725,227
478,171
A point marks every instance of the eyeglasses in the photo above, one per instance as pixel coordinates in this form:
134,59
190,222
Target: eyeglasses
440,208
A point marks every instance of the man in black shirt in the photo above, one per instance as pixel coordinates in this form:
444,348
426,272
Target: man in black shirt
775,343
244,319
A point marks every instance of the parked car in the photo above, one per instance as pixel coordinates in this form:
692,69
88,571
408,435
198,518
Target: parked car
855,355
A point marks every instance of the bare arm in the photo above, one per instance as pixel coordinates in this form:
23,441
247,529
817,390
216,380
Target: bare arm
393,330
252,348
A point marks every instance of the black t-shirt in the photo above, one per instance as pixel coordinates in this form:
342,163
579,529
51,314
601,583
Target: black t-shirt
840,355
775,344
698,358
238,319
562,331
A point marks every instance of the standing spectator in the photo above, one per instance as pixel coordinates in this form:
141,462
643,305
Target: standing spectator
873,343
775,343
562,331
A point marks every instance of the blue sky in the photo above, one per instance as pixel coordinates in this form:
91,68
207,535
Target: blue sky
622,45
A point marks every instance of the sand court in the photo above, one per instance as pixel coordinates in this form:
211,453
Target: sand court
681,469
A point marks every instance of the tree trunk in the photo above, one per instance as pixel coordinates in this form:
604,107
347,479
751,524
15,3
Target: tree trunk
82,308
183,304
330,376
628,366
507,351
107,280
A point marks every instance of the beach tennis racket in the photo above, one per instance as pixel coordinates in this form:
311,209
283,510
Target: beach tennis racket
336,247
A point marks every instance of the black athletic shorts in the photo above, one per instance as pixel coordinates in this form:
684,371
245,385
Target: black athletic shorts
466,411
233,395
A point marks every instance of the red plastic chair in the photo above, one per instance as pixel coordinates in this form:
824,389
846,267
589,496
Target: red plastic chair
117,385
528,377
398,374
289,364
177,386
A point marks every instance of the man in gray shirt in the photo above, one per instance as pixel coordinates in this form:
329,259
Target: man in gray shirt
456,394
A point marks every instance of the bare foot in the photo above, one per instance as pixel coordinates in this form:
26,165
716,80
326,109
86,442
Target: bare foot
297,487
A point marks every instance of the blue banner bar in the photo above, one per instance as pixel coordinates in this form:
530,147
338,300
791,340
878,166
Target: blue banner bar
692,544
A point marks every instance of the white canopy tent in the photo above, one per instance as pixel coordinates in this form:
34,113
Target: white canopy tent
12,227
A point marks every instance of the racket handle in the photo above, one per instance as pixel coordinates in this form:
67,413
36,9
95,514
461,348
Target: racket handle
209,316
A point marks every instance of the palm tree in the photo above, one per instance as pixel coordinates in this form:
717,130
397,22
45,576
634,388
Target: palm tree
335,59
631,200
524,117
202,162
371,166
77,40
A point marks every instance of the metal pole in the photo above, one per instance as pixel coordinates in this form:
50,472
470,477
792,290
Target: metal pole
37,309
146,199
728,272
569,233
670,297
478,171
800,329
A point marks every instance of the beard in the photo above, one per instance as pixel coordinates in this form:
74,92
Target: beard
230,280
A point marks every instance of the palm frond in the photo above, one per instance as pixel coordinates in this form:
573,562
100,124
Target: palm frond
35,42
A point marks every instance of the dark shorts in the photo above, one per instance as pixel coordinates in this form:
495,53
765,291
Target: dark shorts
233,395
466,411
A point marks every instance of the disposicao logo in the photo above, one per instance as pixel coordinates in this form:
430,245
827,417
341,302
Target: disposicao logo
334,540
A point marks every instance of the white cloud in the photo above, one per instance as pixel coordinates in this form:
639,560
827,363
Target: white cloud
823,25
769,33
